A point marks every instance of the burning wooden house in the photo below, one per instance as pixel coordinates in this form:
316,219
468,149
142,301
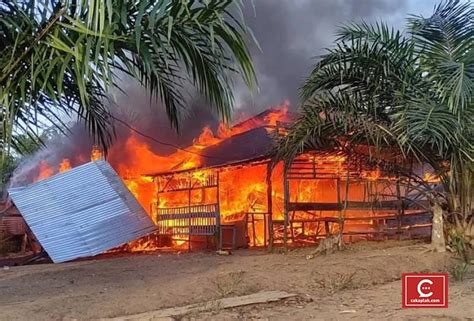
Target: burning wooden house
224,192
232,196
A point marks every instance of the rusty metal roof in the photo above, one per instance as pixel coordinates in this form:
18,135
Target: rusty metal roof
82,212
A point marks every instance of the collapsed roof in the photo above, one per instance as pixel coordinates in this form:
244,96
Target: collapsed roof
253,142
250,145
82,212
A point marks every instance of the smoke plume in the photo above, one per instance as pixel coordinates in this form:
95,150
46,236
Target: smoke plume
290,33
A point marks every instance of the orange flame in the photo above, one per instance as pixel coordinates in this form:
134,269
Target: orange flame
96,153
242,190
44,171
65,165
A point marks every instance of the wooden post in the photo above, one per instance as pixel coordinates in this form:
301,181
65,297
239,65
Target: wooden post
24,242
269,207
218,218
286,196
346,203
156,183
189,211
399,210
254,231
339,205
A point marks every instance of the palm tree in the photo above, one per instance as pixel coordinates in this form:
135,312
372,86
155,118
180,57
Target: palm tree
409,92
60,57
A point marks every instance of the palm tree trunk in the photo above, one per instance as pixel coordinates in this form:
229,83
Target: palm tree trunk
437,232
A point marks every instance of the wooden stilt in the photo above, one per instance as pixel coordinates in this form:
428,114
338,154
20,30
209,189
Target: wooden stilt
344,208
218,218
399,211
293,213
269,207
189,206
292,228
254,231
338,194
286,195
264,229
24,242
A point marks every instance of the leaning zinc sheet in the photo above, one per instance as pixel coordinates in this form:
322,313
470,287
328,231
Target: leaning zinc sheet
82,212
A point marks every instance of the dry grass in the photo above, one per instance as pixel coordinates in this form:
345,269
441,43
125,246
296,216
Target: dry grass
228,284
337,282
459,270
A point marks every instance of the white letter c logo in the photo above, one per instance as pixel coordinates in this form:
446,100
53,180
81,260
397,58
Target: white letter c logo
420,289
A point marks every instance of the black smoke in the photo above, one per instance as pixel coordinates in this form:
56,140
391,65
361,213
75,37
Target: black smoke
292,34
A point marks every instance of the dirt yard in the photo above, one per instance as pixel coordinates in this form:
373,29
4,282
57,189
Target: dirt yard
361,282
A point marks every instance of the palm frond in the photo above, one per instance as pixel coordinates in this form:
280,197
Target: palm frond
61,57
409,94
445,42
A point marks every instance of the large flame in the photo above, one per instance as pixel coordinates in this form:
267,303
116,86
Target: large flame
242,190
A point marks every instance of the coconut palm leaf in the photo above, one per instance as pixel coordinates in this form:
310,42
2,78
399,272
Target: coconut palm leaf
446,45
60,58
411,94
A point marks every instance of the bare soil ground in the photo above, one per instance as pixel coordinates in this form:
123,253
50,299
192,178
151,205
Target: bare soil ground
361,282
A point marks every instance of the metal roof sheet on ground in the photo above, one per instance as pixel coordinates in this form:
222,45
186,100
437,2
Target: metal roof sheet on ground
82,212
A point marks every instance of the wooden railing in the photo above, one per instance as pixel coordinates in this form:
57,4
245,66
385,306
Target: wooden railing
188,220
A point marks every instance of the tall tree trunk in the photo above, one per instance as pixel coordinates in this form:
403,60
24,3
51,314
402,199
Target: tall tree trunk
437,233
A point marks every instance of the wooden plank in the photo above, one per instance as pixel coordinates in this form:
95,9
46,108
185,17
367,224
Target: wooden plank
307,206
354,218
286,209
226,303
269,207
351,205
182,189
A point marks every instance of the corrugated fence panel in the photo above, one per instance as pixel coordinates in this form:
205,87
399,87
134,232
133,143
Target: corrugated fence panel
82,212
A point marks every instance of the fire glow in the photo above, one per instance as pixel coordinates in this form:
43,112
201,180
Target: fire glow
242,193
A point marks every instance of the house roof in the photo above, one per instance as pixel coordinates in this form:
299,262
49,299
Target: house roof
82,212
252,145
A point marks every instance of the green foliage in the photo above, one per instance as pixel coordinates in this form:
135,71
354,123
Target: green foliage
459,270
461,247
459,244
410,93
60,57
7,166
25,145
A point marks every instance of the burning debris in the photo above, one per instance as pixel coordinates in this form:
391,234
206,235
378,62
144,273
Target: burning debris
219,193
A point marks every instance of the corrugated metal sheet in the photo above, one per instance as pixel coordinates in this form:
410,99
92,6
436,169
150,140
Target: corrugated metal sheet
82,212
